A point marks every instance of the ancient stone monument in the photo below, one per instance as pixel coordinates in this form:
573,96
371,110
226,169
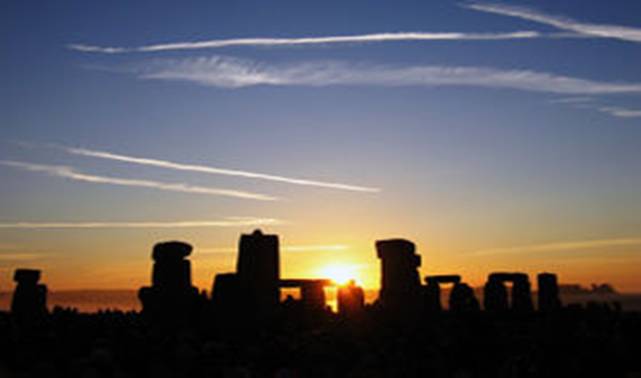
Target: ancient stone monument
495,292
258,270
400,282
254,288
171,295
432,292
312,292
462,298
548,292
351,301
495,296
29,300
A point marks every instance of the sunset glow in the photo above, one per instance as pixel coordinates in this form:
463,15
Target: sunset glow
341,274
494,138
320,188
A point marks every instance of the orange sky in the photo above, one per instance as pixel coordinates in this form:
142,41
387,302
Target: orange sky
112,262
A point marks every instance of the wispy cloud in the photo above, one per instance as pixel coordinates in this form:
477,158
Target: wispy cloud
562,246
226,222
592,104
625,33
616,111
571,100
17,257
70,173
214,170
228,72
324,40
285,248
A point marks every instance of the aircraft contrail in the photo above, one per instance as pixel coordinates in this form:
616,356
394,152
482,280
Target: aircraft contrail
359,38
70,173
214,170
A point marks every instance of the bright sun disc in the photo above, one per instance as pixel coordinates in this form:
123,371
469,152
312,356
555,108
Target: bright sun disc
340,274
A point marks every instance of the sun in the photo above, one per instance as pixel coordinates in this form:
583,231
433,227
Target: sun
341,274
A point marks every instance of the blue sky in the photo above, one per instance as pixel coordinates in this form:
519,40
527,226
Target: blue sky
520,130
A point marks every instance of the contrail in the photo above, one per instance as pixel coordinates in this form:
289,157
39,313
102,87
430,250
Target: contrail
214,170
15,257
620,112
625,33
562,246
227,222
361,38
70,173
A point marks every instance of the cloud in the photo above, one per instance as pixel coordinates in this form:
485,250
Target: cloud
214,170
70,173
225,72
564,23
620,112
590,103
226,222
571,100
326,40
17,257
562,246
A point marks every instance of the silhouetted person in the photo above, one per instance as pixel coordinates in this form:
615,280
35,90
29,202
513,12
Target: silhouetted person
29,300
548,292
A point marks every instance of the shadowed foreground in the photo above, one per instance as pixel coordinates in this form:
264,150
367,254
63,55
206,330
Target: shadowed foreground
244,329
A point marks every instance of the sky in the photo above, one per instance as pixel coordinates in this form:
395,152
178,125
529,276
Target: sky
495,136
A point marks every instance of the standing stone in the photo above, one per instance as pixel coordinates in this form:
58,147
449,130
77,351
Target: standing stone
400,283
226,295
432,297
29,300
171,298
462,299
351,300
432,292
548,295
258,270
495,297
521,293
171,271
312,293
